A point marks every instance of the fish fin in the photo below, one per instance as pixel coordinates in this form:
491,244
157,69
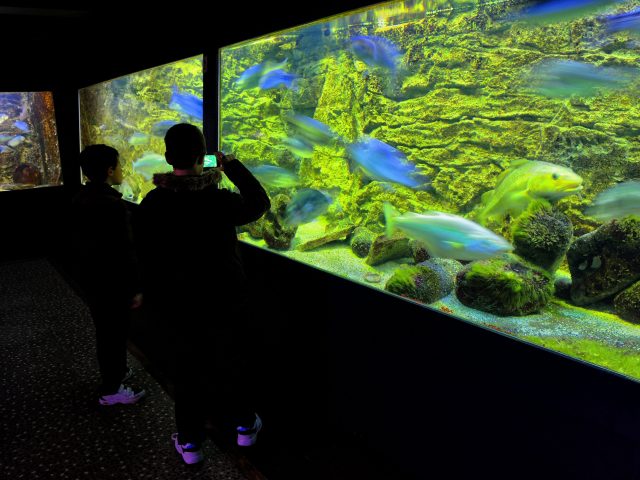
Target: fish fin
454,245
486,195
389,218
514,165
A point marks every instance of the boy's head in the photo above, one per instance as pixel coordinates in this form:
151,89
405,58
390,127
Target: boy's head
99,163
185,146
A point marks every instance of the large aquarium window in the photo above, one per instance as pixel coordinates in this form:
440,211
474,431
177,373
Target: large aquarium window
132,113
480,158
29,153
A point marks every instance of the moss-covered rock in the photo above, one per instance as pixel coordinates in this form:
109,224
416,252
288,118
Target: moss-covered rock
504,286
419,251
452,267
425,283
361,241
627,303
542,236
562,285
605,261
384,249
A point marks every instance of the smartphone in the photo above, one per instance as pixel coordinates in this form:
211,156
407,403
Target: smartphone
210,161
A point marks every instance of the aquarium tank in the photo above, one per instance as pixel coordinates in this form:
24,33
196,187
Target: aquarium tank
29,153
132,113
480,158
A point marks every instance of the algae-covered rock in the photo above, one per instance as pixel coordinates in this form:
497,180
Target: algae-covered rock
384,249
542,236
361,241
627,303
605,261
562,285
274,231
328,237
504,286
425,283
451,266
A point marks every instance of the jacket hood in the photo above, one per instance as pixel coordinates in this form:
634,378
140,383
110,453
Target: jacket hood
186,183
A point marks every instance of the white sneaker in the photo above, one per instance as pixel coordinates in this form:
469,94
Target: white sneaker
190,452
248,436
124,395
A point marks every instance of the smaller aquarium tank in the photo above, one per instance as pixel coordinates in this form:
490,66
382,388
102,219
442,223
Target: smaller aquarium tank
29,153
132,113
479,158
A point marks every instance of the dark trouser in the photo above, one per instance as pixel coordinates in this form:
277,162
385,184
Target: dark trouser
213,369
111,319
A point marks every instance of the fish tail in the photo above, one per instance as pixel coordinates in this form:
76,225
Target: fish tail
389,218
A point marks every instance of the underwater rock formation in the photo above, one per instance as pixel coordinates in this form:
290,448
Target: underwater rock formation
627,303
384,249
562,285
504,286
361,241
334,235
274,231
542,236
452,267
605,261
419,251
425,283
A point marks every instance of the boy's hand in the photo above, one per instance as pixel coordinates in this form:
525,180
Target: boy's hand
136,301
223,159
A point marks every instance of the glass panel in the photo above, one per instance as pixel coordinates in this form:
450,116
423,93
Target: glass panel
132,113
29,153
476,157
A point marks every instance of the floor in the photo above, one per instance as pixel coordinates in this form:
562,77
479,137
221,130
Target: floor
52,428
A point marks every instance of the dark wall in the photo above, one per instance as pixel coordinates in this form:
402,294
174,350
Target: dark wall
431,395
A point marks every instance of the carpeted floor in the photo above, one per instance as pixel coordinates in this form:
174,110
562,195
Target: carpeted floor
51,426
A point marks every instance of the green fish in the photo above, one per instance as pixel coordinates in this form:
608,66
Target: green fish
526,181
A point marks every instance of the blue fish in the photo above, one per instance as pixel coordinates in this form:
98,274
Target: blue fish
306,205
159,129
299,146
558,78
628,21
550,11
21,125
277,78
382,162
5,149
312,130
186,103
252,76
274,176
376,51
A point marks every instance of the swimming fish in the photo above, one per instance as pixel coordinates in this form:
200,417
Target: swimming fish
376,51
627,22
300,147
251,77
5,149
21,125
306,205
151,163
186,103
126,190
382,162
311,130
557,78
446,235
15,141
551,11
525,181
277,78
138,139
616,202
159,129
274,176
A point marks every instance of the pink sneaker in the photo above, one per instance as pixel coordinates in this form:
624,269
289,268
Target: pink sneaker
190,452
124,395
248,436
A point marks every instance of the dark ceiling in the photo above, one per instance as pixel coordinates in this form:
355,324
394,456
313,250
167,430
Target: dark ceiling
79,43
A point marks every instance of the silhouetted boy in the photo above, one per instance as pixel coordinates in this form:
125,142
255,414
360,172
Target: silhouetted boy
105,268
195,286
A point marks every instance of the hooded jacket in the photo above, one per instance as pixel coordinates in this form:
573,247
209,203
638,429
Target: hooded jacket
185,232
103,261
